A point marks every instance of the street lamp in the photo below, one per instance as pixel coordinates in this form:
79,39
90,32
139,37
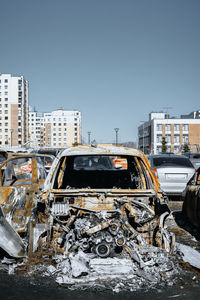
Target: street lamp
89,134
167,117
116,132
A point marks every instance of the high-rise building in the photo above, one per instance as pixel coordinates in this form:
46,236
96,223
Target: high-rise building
14,110
177,132
57,129
36,128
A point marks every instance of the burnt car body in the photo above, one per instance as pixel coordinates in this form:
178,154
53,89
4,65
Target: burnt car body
21,179
103,209
191,200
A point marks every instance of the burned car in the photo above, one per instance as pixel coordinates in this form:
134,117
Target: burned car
21,179
191,200
95,218
98,207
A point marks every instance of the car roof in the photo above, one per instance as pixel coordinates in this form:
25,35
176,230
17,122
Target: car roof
167,155
101,150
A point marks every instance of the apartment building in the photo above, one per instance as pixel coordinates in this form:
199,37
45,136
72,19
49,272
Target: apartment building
57,129
13,110
177,132
36,129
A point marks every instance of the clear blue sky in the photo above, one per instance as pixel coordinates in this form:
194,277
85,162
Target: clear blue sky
114,60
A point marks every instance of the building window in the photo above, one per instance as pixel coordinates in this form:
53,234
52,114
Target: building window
176,149
185,127
185,139
6,124
167,127
6,80
176,127
159,138
6,99
6,93
159,127
176,139
5,87
6,111
159,149
168,148
168,138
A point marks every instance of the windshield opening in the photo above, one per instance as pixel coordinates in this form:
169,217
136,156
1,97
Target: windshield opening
100,171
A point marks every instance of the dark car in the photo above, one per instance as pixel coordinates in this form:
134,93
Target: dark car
191,200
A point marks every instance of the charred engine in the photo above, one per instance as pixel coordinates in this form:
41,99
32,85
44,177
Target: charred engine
105,228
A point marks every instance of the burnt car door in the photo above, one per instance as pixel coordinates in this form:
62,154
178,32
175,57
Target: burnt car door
19,185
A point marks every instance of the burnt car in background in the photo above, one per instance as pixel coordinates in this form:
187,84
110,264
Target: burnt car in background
173,172
191,200
3,155
21,179
48,158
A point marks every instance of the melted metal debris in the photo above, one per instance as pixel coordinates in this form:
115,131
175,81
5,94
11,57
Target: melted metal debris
189,255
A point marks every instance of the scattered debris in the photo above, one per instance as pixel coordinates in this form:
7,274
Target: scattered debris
189,255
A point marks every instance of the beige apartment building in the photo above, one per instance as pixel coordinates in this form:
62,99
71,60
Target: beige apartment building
13,110
58,129
177,132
